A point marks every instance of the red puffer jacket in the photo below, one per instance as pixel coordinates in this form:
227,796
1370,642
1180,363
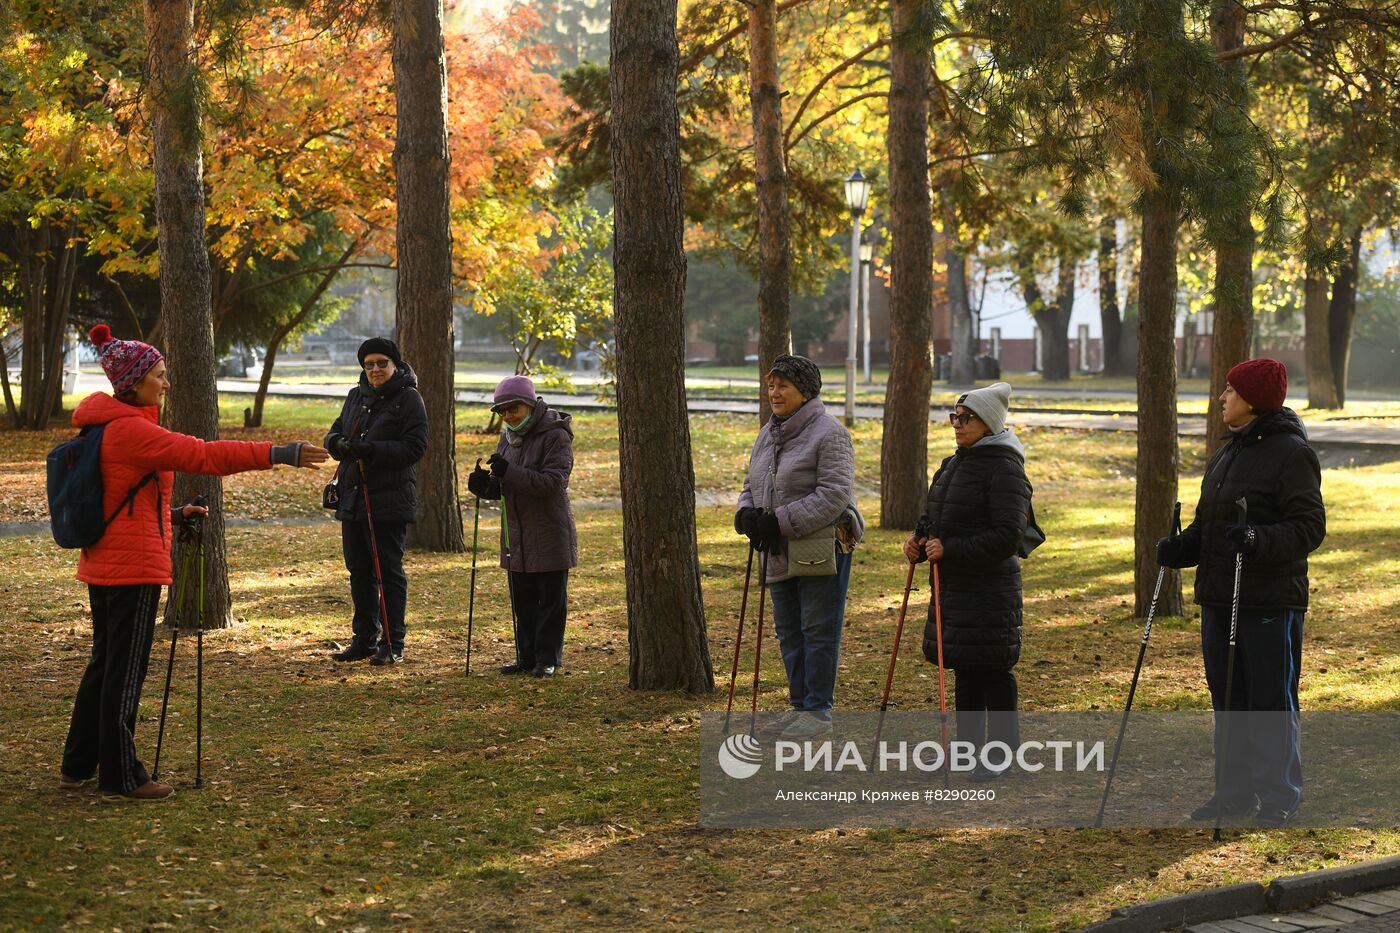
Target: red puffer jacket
136,547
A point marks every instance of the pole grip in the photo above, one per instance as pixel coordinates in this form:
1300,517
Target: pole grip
1176,518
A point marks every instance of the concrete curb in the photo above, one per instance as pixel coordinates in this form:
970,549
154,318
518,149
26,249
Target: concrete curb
1239,900
1314,887
1169,913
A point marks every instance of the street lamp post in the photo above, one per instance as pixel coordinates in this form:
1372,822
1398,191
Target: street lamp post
857,194
867,256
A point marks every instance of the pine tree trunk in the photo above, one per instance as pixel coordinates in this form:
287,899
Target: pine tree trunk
1157,458
904,447
1234,252
424,246
770,167
1317,338
192,405
1341,314
1110,318
964,342
667,640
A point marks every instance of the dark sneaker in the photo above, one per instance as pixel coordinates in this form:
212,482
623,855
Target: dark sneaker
543,670
775,728
1275,817
982,774
386,655
71,783
807,725
518,668
1232,810
355,651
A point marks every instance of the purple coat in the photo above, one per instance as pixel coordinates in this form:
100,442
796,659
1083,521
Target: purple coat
536,491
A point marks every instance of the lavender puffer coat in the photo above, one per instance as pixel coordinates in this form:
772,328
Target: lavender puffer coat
804,469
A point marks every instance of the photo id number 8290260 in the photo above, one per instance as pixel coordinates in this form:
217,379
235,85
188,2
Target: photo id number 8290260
943,794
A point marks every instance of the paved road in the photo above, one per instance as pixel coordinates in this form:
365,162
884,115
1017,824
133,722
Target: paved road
1380,435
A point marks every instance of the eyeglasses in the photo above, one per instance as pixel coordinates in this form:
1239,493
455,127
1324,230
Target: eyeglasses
960,420
378,364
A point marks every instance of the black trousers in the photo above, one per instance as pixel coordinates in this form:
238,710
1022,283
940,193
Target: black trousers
986,707
102,732
364,591
541,602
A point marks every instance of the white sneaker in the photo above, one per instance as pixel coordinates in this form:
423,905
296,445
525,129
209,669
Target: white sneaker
775,728
807,726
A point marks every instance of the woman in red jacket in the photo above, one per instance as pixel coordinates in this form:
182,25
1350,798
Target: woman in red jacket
125,570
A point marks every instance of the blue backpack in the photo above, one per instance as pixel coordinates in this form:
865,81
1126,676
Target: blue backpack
75,490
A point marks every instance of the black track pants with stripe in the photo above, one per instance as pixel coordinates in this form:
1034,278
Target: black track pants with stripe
101,735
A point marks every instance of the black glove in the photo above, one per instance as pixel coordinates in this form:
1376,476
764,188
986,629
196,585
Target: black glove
335,446
1169,552
743,519
770,533
360,450
1241,538
498,465
478,482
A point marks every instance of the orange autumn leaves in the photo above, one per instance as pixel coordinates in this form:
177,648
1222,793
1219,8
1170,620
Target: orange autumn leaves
298,126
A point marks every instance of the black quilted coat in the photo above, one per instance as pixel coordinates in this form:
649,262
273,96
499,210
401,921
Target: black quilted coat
1271,466
395,422
977,506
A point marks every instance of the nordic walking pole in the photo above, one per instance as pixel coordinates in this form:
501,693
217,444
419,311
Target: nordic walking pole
738,642
894,656
758,643
183,580
374,549
471,602
1132,688
199,659
1224,749
942,690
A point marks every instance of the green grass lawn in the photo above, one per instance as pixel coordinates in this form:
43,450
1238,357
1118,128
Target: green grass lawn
419,798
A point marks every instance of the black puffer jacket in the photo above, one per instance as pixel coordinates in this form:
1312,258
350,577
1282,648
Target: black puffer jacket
1270,464
395,422
977,506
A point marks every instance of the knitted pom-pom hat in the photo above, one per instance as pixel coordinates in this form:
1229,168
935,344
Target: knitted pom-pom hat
125,362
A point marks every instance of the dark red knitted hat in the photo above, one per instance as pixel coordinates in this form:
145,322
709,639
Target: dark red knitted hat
1263,383
124,361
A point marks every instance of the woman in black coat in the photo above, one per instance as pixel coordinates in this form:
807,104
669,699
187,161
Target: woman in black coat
382,428
972,526
1267,462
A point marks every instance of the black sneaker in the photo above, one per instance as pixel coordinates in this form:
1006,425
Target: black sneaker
1275,817
386,655
355,651
1232,810
543,670
982,774
517,668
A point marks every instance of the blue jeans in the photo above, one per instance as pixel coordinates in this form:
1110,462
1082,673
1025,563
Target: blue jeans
808,613
1264,757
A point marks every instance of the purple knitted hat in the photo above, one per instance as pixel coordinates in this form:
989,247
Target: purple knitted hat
514,389
125,362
